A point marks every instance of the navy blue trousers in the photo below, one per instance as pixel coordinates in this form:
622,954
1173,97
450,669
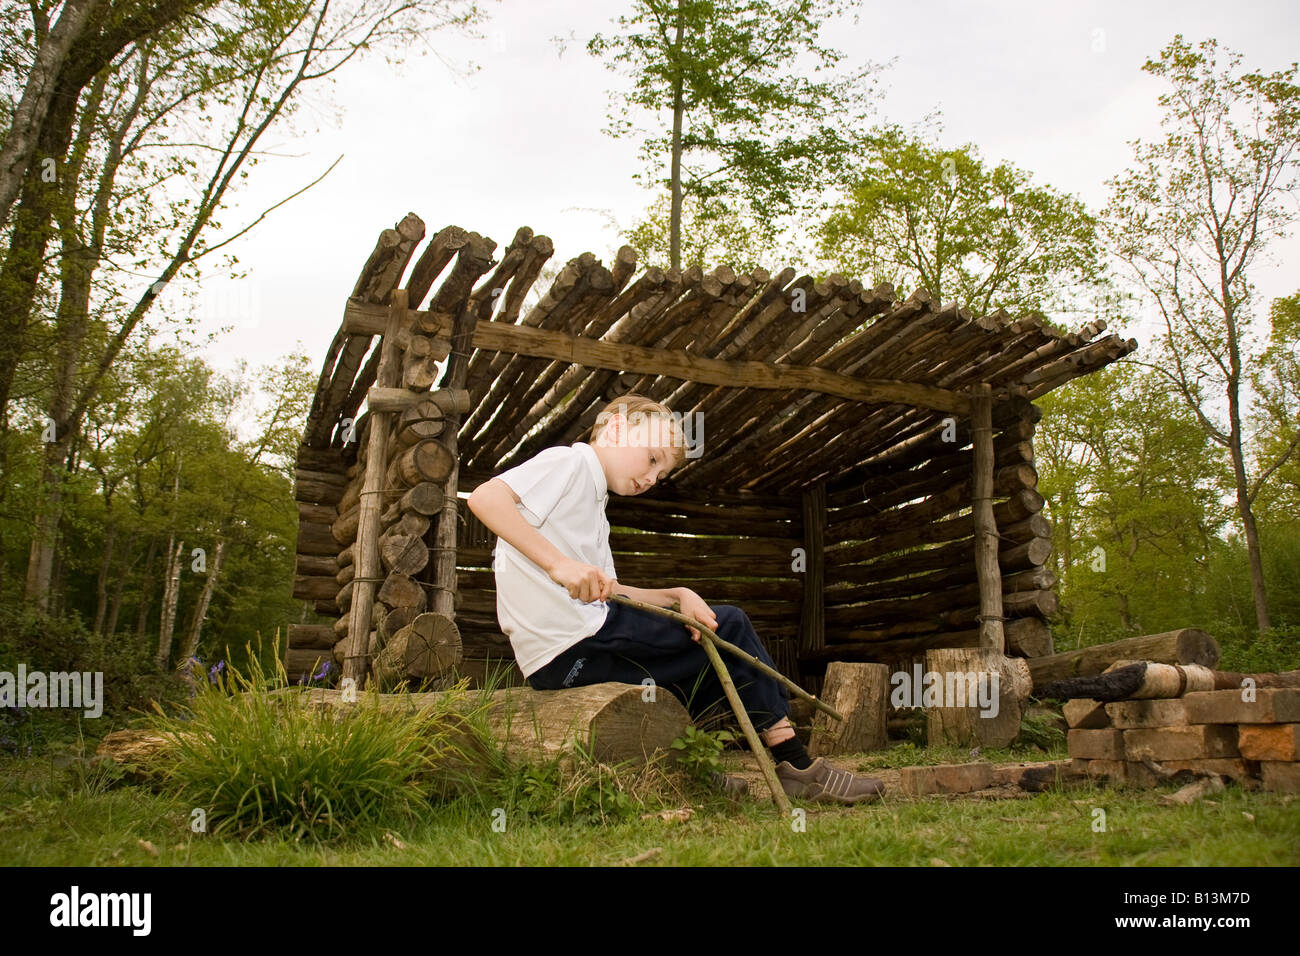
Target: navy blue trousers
634,644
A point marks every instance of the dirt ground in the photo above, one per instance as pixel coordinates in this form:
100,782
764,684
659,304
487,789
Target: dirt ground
745,766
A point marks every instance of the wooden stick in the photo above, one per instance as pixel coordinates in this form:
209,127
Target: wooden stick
729,688
732,648
760,752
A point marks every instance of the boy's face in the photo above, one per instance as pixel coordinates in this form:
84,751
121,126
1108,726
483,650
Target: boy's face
632,464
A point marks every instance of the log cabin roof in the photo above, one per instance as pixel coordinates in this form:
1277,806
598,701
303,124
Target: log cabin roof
795,381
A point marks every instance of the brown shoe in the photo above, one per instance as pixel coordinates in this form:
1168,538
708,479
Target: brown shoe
827,784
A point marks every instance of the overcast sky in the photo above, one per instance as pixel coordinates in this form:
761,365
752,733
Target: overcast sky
1056,89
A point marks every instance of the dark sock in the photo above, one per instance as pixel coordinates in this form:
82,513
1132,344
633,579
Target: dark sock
794,751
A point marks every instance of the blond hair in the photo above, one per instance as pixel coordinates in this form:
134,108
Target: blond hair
638,408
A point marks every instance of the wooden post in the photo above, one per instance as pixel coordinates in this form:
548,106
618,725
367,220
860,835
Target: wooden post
356,661
812,629
986,529
453,386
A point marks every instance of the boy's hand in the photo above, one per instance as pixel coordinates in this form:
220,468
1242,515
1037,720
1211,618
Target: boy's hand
692,605
586,582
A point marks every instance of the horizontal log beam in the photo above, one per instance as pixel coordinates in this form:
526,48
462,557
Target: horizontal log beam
524,340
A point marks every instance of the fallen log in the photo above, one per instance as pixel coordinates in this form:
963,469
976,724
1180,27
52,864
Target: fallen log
616,721
1186,646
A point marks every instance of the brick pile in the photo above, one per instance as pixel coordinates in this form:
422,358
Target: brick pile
1142,743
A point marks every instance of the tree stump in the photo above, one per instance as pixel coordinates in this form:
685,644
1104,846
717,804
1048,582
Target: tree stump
861,693
970,724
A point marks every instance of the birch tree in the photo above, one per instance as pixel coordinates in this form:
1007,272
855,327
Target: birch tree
1189,221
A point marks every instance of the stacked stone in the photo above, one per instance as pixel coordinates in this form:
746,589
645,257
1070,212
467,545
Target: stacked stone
1251,736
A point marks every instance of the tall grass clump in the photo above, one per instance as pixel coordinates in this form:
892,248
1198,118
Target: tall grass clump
257,754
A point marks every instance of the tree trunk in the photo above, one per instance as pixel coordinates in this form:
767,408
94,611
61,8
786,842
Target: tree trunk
146,578
40,560
98,44
75,268
110,628
171,591
201,609
20,139
101,580
1258,592
675,219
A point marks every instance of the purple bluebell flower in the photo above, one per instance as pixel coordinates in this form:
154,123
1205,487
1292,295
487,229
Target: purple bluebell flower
215,670
326,667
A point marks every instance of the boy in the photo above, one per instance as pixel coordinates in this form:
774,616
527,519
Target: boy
554,573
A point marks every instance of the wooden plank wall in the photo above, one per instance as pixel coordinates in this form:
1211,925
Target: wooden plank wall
900,573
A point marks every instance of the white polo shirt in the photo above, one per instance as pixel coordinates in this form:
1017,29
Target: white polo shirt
562,493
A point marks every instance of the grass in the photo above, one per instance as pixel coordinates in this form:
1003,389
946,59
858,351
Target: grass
58,808
53,814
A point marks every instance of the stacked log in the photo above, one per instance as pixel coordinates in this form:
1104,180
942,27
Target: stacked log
412,482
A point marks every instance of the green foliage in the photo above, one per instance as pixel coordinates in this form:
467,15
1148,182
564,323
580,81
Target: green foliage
1042,731
1188,218
713,233
166,127
1135,493
258,757
62,643
917,216
699,752
165,459
1275,379
1247,650
753,131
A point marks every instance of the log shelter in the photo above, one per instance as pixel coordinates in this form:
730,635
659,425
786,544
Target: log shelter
861,479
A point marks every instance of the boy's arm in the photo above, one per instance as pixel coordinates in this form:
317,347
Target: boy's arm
493,502
683,599
659,597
